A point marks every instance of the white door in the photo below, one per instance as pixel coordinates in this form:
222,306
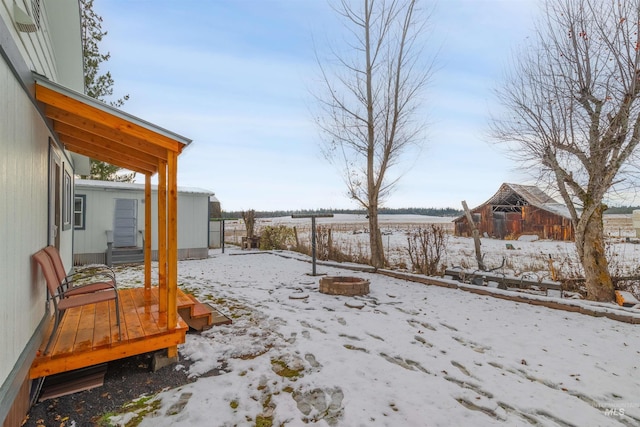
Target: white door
125,223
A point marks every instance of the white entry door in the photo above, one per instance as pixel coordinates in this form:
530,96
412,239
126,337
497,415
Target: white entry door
125,223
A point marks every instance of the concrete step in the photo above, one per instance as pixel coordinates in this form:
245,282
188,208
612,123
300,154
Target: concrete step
127,255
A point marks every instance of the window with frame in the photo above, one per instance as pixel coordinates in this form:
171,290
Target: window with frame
79,211
66,201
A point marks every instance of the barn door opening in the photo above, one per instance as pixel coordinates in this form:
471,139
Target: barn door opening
125,223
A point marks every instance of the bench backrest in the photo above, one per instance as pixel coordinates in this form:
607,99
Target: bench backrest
56,260
44,261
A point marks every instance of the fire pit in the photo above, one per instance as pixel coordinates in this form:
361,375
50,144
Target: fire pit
341,285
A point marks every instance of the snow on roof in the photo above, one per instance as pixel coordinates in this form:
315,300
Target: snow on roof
132,186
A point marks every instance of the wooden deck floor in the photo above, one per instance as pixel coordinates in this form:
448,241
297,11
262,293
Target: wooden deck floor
89,335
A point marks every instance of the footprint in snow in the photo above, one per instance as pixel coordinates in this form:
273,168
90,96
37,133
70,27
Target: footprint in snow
449,327
319,404
479,348
375,336
469,386
311,359
422,341
462,368
408,364
420,325
310,326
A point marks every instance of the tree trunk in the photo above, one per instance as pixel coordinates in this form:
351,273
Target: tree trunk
375,239
590,245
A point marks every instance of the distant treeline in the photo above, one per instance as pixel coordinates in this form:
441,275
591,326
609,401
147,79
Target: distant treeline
447,212
621,209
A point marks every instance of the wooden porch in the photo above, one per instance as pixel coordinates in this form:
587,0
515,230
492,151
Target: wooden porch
88,335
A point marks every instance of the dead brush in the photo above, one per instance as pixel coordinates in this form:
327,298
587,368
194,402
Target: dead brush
328,249
536,264
427,248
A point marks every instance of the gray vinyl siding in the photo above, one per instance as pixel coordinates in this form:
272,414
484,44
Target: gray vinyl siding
55,53
90,243
25,142
24,161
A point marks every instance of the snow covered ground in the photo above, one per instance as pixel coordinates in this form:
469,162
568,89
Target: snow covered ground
528,257
413,355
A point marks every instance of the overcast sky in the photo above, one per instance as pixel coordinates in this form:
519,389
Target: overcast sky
235,77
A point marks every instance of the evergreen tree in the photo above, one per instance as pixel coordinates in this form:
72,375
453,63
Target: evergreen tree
98,85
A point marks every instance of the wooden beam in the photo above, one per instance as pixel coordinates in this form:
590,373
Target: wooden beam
172,260
102,143
97,115
65,117
172,240
162,235
116,157
147,231
45,367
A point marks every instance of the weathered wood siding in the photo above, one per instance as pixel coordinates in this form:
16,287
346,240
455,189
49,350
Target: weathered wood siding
511,225
91,242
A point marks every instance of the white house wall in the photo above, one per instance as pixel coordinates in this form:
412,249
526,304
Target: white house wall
90,243
23,219
57,53
25,146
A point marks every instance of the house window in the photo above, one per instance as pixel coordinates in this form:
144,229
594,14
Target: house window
79,212
66,202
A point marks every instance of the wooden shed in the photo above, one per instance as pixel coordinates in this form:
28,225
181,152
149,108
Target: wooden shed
517,210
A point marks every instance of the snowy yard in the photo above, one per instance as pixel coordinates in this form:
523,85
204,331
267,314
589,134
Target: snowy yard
414,355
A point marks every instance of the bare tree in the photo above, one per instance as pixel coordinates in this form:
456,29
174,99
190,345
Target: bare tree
572,101
370,100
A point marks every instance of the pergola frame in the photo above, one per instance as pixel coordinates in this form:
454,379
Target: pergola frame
91,128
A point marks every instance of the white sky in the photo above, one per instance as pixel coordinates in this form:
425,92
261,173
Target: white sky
234,76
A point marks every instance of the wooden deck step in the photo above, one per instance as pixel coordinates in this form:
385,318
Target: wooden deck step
201,316
218,318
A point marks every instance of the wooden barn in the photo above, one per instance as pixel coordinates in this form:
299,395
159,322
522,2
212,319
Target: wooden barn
517,210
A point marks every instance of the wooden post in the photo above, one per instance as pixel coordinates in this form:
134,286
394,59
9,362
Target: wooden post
147,232
162,237
476,235
172,246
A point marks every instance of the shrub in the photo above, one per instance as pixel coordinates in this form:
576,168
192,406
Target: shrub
278,237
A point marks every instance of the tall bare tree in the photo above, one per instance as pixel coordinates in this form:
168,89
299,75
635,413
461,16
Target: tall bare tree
573,109
368,106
